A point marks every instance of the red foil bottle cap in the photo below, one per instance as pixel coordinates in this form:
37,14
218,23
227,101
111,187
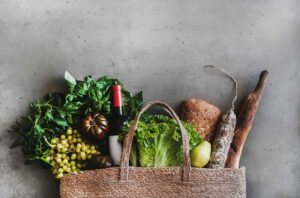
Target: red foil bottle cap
117,95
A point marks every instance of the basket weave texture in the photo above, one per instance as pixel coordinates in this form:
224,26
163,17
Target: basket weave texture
125,181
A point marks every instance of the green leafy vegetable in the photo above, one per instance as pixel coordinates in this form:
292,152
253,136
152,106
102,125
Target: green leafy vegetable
158,141
70,78
92,95
44,122
50,117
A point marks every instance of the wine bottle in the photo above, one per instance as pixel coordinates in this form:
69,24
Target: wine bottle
117,120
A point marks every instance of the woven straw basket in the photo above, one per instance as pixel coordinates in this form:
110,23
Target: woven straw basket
125,181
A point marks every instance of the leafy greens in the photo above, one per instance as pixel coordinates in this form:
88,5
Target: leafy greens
158,141
51,116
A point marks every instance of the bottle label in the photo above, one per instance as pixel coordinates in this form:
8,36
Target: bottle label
115,149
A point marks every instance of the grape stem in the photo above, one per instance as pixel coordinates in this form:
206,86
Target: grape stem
48,142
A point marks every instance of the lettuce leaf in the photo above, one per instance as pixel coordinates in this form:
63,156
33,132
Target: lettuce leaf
158,141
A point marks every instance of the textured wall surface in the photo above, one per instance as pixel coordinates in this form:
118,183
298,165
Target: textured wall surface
159,47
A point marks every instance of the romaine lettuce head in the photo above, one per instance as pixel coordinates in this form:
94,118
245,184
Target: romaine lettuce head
158,141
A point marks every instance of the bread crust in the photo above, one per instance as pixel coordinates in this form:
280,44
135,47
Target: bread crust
202,115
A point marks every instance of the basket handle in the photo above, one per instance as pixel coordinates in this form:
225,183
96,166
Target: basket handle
124,162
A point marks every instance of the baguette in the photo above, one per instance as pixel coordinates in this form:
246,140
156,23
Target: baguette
245,119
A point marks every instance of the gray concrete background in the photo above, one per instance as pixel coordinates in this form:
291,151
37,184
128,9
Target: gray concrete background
159,47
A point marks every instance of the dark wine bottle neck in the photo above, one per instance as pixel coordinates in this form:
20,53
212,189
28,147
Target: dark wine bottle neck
117,111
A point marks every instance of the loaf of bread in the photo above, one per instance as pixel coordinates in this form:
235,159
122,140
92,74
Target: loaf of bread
202,115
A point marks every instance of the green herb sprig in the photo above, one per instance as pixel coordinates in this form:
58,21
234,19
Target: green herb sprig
50,117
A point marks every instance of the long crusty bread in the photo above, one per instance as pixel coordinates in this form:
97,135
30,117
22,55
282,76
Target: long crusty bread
245,119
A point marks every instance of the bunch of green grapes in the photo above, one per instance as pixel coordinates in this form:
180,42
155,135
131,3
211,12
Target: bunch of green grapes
69,153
